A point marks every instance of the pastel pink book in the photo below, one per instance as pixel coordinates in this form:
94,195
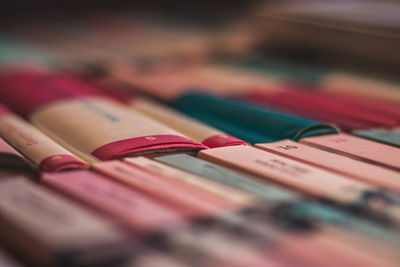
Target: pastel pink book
357,148
291,173
126,206
189,200
372,174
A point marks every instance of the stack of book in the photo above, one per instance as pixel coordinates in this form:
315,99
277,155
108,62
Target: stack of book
135,142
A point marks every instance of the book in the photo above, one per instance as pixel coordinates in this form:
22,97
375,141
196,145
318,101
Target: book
375,175
358,148
86,122
249,123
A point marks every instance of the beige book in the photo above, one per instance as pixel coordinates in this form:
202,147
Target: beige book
85,121
99,128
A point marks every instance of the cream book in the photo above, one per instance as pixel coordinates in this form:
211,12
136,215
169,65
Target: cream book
174,119
85,121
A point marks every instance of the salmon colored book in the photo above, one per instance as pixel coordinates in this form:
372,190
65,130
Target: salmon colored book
42,151
375,175
357,148
231,194
189,200
49,230
89,124
303,177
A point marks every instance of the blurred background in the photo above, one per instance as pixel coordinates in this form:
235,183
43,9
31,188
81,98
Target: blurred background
228,48
360,35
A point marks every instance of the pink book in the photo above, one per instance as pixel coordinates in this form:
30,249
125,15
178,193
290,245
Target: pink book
126,206
375,175
189,200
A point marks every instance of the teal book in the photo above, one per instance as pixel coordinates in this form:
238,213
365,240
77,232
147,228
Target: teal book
246,122
388,137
